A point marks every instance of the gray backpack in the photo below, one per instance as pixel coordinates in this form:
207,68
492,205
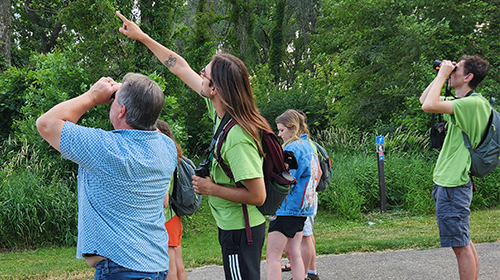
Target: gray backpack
325,162
184,200
486,157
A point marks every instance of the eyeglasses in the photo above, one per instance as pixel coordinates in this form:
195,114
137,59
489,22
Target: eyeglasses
202,74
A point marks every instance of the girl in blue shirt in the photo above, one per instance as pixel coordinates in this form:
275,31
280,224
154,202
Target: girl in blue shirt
285,228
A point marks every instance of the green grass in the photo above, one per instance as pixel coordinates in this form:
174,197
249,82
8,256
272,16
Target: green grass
46,263
370,233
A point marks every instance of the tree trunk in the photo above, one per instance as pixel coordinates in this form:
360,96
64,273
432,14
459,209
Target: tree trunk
4,35
277,41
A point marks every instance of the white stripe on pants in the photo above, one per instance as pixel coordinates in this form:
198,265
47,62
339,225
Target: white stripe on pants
234,267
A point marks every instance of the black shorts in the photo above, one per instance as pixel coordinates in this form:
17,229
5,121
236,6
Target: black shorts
288,225
242,261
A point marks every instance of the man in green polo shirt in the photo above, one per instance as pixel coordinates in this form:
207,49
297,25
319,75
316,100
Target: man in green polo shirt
453,187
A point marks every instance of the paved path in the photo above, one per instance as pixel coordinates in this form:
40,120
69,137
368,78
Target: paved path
435,264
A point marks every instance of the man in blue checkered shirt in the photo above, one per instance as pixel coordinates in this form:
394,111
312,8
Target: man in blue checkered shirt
123,176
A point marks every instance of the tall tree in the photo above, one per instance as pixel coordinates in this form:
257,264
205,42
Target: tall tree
277,51
37,27
302,27
239,38
5,44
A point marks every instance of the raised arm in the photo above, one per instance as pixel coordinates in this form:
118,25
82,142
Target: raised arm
431,97
50,124
174,62
426,91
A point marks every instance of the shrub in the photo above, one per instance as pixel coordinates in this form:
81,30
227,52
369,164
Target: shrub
38,200
37,208
408,168
345,195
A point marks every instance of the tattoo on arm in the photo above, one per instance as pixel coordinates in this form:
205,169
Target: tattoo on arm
170,62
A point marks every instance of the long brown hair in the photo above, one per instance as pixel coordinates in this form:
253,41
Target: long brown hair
165,129
230,78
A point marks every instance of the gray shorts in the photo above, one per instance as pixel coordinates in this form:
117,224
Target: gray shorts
452,213
309,223
308,226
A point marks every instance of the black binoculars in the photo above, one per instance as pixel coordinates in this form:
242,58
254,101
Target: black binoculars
203,170
437,65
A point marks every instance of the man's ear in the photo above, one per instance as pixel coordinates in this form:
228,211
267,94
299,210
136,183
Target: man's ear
123,112
213,90
469,77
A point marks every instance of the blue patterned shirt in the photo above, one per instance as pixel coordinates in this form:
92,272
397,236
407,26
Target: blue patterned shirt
123,177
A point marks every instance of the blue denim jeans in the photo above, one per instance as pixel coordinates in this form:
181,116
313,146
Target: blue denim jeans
108,270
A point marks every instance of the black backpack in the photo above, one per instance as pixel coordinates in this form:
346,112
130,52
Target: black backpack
438,131
486,156
325,162
184,200
276,176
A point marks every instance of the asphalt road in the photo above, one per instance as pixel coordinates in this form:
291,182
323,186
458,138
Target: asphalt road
435,264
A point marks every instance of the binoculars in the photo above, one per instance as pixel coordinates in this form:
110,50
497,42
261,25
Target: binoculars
437,65
203,170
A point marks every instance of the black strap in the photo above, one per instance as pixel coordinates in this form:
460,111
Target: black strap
469,93
447,91
433,118
215,134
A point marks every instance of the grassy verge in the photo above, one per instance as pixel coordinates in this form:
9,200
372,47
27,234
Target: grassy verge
394,231
369,233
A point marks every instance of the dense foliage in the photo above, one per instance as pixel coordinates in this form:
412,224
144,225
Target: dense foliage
355,67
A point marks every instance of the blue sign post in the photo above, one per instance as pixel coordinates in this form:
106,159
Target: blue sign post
381,176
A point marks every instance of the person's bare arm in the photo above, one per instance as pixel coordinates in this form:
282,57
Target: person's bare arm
253,194
431,97
50,124
174,62
426,91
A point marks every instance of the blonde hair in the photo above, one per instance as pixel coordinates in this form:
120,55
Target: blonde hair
293,118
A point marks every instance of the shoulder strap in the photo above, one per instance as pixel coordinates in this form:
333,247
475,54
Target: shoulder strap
467,143
217,154
174,188
466,140
229,174
215,134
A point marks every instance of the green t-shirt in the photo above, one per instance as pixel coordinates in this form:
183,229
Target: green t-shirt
168,211
240,153
471,115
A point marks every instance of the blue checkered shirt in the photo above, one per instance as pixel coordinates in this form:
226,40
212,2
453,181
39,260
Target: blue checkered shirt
123,177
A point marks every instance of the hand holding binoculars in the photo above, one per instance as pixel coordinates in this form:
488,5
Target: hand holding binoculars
437,65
